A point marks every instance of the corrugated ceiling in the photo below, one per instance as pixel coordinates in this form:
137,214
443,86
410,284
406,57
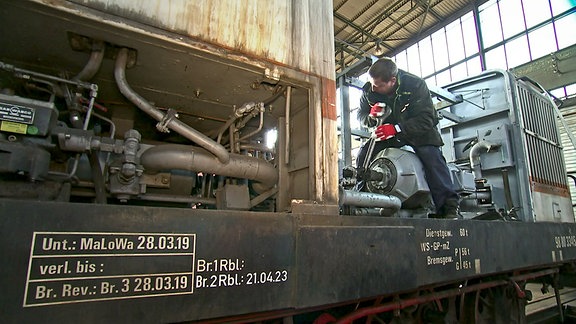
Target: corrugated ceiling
395,24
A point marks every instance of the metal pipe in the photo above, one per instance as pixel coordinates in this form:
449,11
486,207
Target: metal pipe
478,195
94,63
109,121
176,125
183,157
287,125
31,75
87,73
89,110
237,114
260,125
178,199
263,148
232,139
93,94
475,156
368,199
279,90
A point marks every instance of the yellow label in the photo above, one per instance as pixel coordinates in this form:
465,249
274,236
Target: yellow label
13,127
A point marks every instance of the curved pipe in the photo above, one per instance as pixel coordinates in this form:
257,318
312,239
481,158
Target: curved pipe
237,114
190,158
279,91
93,64
176,125
368,199
482,146
260,125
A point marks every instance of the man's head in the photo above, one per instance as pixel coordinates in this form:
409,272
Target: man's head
383,76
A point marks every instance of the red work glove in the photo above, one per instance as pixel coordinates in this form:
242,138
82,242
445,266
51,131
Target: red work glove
387,131
377,109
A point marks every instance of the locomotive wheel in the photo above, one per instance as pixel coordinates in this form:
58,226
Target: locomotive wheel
499,305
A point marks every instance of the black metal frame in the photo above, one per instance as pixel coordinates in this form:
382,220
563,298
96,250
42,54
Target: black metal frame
261,262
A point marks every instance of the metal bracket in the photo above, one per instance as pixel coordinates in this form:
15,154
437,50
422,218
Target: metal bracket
162,125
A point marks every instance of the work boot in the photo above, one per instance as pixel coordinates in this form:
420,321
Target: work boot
450,210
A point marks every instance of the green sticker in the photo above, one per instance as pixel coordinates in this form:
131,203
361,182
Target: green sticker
32,130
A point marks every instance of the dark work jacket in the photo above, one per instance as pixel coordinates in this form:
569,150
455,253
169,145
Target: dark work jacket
412,109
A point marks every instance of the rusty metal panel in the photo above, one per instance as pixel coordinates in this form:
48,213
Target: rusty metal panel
296,33
288,40
199,74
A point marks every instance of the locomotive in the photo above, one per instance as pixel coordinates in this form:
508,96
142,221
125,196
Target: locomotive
500,135
173,162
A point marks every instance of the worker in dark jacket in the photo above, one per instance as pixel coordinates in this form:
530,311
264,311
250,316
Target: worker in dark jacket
412,122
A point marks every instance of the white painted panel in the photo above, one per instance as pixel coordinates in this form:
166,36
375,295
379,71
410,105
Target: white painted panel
297,33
